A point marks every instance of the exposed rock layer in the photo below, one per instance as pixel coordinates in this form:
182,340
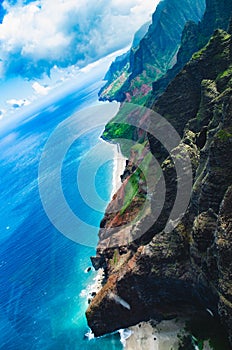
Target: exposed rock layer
188,269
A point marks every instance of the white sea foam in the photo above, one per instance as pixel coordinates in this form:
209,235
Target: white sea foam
93,287
89,335
124,335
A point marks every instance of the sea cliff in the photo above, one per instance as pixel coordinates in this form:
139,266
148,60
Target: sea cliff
185,271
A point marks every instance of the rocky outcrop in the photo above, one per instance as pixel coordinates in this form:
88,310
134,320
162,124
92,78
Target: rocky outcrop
155,53
224,252
181,101
194,37
186,270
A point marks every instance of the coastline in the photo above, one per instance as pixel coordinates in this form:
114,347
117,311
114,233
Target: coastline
119,164
143,336
92,289
118,168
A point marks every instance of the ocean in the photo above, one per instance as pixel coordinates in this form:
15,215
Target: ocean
43,274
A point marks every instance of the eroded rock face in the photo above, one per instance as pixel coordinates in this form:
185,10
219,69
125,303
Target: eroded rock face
181,101
194,37
187,270
224,255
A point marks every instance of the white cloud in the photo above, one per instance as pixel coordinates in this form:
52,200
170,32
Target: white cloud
40,89
18,103
2,113
44,33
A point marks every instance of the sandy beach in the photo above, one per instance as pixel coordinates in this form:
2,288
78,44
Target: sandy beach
119,167
163,336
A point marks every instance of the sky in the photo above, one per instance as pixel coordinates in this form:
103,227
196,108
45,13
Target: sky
46,42
37,35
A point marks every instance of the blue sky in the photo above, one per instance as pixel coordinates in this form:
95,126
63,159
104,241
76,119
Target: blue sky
45,42
36,35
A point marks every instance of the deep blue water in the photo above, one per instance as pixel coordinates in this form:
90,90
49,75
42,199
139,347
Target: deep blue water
42,273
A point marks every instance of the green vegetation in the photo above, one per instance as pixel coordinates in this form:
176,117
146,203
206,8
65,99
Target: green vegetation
114,131
226,74
140,99
120,131
197,55
110,91
221,36
138,148
224,135
131,190
115,259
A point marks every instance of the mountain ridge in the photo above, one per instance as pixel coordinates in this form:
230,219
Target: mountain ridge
156,52
194,37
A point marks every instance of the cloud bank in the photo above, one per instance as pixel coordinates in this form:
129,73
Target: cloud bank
38,35
17,103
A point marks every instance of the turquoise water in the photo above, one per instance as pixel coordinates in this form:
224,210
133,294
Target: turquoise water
42,273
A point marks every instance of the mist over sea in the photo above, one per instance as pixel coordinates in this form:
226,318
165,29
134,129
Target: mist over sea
44,283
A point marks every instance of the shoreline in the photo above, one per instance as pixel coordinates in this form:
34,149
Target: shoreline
119,164
118,169
144,335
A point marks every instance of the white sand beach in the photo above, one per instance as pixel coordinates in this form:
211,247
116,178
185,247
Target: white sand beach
119,167
163,336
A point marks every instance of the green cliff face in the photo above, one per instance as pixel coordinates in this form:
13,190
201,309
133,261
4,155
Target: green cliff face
154,54
210,62
188,270
194,37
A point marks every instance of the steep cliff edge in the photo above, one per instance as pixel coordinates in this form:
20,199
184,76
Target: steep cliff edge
194,37
189,269
154,54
